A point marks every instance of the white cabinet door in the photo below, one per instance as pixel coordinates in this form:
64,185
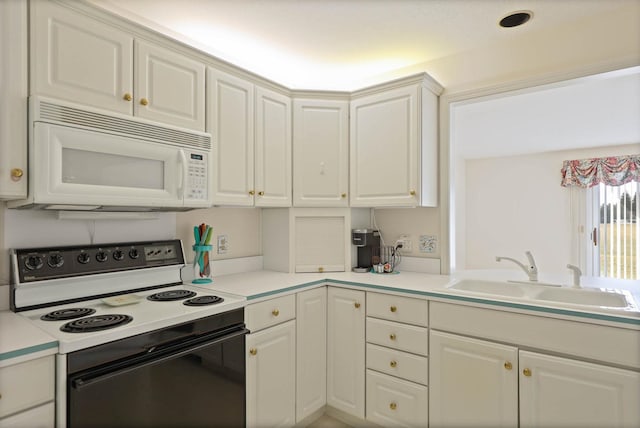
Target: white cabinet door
169,87
311,352
271,370
230,113
78,58
472,382
345,350
273,149
320,153
384,149
559,392
319,243
393,402
13,99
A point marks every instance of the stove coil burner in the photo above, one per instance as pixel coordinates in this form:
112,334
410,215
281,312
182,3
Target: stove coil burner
96,323
171,295
67,314
203,301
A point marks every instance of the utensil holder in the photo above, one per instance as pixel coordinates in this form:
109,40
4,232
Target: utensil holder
202,271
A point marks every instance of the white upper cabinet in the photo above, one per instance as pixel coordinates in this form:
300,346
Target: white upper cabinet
230,112
320,153
273,149
13,99
78,58
169,87
393,145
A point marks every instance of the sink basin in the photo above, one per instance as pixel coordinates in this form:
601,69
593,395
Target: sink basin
584,297
489,287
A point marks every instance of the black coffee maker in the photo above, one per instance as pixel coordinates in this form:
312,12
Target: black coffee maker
368,243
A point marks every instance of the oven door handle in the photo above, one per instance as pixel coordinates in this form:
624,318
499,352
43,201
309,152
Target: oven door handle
83,382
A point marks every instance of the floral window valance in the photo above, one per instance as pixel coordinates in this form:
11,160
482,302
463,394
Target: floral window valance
613,171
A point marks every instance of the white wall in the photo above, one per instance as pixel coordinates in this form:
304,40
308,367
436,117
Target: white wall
516,203
414,222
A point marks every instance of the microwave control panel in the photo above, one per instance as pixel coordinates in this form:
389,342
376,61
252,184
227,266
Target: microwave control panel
198,179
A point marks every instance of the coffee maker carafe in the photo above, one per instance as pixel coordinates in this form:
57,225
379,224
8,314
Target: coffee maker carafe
367,242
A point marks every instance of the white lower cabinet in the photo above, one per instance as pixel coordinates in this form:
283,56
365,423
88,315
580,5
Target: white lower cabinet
396,402
271,371
27,392
311,355
481,383
346,350
561,392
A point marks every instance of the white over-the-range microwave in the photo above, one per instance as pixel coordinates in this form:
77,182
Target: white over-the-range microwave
91,160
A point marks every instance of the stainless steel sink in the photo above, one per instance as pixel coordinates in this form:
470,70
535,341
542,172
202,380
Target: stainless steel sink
489,287
590,297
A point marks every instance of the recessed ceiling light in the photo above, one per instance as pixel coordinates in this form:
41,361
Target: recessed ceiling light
516,18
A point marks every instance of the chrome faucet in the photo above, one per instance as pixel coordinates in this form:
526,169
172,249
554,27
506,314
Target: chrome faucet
531,270
576,275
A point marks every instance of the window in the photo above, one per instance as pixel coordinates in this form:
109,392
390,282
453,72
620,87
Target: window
613,223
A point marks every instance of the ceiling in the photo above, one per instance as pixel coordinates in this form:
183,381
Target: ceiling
347,44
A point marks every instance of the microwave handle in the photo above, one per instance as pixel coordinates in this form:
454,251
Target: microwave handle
183,173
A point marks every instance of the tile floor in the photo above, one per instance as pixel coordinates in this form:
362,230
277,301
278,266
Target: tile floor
326,421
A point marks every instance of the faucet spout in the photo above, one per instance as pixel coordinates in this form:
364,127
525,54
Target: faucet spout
531,270
576,275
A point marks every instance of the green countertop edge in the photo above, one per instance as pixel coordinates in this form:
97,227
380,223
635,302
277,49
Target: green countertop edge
28,350
557,311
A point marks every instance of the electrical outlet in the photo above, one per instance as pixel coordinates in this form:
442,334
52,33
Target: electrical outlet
428,243
223,244
406,243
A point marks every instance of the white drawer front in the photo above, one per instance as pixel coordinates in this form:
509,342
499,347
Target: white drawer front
270,312
397,363
39,417
397,308
26,384
396,402
398,336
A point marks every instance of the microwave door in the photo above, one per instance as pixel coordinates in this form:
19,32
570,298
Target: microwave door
81,167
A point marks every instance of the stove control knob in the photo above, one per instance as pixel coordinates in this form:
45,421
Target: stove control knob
101,256
133,253
84,258
55,260
118,255
33,262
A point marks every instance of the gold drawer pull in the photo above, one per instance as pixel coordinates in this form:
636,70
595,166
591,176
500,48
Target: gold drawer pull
356,304
392,336
393,406
252,192
412,192
16,174
343,196
260,193
144,101
320,269
393,363
275,312
393,309
526,372
253,351
508,365
127,97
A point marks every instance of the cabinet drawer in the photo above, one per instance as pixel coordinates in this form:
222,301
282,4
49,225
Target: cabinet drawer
396,402
397,308
398,336
39,417
270,312
26,384
398,363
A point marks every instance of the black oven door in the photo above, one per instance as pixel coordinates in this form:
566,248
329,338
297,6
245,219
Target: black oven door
200,385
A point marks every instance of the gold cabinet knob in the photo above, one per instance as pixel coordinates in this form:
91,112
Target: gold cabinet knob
526,372
127,97
393,363
144,101
392,336
343,196
393,309
252,192
253,351
260,193
16,174
275,312
393,406
508,365
320,269
356,304
412,192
